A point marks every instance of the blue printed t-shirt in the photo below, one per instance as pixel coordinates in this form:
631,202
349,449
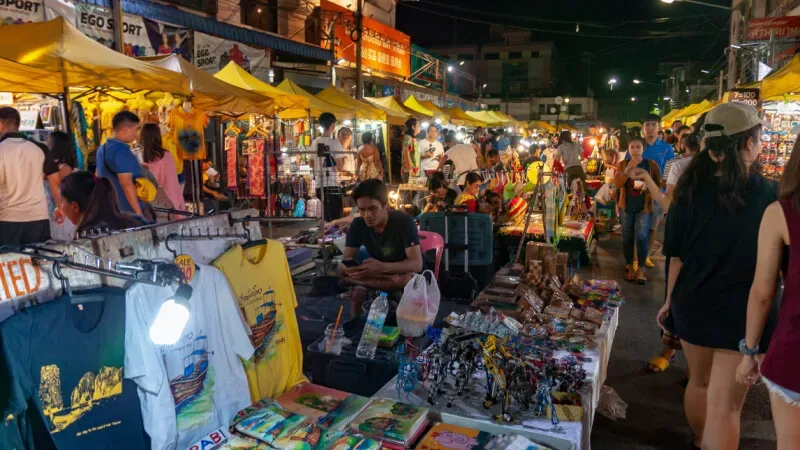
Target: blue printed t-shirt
390,246
115,157
660,152
62,371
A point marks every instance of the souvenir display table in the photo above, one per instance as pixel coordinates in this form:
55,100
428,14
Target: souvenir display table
578,433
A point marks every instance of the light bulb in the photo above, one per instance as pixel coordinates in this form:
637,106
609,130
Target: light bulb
347,123
425,125
320,129
438,121
593,142
169,324
459,135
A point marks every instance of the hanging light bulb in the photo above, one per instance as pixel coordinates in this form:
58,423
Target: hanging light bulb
438,121
577,27
347,123
320,129
425,125
171,319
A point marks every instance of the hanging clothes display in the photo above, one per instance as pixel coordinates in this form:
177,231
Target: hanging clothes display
65,375
197,384
261,280
230,161
256,178
187,130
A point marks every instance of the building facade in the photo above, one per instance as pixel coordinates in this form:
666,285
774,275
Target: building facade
546,108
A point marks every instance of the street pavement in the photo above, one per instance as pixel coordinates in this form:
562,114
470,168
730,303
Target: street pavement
655,418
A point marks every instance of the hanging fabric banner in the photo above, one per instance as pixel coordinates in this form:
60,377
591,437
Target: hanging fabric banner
98,23
14,12
166,39
212,54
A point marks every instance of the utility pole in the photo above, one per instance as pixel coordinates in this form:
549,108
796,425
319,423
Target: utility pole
720,91
737,30
444,84
116,9
360,37
332,45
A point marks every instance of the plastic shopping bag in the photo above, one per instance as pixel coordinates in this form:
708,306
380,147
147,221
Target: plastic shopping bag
419,304
603,195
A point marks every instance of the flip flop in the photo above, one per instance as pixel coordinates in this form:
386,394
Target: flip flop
642,280
659,364
630,273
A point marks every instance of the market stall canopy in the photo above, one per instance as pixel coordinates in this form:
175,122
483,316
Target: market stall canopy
211,94
666,121
630,125
364,110
414,104
58,47
392,103
289,106
505,118
437,113
693,109
542,125
19,78
315,105
567,127
784,81
393,116
691,119
484,117
460,118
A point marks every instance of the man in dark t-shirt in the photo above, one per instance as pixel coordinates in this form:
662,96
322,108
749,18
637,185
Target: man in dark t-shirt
390,237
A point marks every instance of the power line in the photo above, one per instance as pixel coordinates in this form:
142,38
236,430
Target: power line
664,35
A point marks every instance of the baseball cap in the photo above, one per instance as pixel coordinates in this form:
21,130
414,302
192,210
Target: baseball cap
733,117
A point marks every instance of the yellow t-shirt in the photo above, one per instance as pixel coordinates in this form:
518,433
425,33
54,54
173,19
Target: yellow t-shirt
262,284
188,132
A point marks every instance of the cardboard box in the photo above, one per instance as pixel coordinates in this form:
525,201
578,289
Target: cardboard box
568,406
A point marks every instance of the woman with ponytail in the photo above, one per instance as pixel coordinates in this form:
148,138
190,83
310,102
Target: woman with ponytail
91,203
711,240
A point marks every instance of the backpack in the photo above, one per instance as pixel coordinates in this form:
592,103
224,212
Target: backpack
286,202
300,208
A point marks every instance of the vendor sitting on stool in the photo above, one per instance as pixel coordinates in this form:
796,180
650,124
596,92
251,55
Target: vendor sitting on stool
391,240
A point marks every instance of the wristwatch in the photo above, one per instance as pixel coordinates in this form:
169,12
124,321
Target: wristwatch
747,351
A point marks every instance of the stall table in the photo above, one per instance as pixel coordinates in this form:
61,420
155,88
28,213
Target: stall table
470,405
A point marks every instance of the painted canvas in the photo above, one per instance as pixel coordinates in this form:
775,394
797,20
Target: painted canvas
390,420
453,437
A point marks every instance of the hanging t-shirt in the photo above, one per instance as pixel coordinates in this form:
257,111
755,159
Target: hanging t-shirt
61,367
262,283
188,132
195,386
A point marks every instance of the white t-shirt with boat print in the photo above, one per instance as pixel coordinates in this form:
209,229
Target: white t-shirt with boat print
195,386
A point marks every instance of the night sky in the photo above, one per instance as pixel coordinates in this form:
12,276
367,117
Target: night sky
701,34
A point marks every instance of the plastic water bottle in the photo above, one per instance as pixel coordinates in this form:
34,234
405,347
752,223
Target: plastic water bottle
373,328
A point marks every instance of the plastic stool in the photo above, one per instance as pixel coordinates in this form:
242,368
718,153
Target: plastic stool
428,240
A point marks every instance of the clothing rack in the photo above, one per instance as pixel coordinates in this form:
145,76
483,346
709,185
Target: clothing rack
61,260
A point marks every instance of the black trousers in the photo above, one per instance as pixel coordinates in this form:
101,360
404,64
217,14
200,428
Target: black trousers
23,233
333,203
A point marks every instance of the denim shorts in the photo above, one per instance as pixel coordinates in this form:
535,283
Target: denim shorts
790,397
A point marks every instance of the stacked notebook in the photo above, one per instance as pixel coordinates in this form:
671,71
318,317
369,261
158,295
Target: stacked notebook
328,407
451,437
397,424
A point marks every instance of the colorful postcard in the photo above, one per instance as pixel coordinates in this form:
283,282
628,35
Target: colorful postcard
388,419
453,437
272,423
314,437
312,400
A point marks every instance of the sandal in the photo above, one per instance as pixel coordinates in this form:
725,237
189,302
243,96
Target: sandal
659,363
642,280
630,273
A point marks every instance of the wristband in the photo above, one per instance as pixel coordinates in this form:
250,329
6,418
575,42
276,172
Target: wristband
747,351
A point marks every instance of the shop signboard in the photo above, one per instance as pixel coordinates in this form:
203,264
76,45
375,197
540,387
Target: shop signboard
98,23
212,54
382,48
14,12
785,27
750,96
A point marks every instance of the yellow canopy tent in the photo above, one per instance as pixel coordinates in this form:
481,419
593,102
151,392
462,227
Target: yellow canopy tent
289,106
784,82
316,106
413,104
392,103
396,114
505,118
460,118
666,121
437,112
567,127
364,110
693,109
689,120
483,116
58,47
543,126
211,94
630,125
19,78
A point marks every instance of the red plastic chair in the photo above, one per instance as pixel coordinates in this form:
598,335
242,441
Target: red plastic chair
428,240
